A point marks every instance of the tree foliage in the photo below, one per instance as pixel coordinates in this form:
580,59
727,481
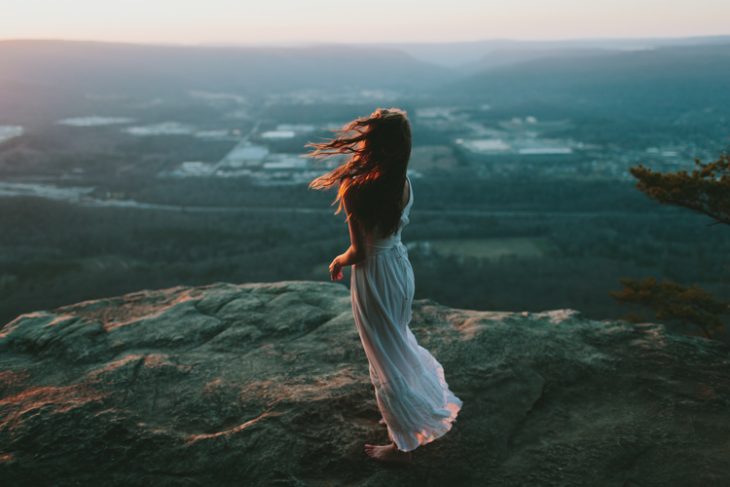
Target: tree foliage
705,189
673,302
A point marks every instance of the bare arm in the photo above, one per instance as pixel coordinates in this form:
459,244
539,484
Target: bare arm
355,252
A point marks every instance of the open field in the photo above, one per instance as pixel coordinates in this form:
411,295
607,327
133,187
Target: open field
485,248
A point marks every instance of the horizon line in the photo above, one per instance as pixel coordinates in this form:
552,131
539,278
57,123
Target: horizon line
310,43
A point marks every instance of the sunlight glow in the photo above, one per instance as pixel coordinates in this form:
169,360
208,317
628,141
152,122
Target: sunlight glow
293,21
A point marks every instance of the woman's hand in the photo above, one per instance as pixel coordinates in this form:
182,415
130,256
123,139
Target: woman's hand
336,269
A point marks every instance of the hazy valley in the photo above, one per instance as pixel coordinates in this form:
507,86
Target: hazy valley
127,167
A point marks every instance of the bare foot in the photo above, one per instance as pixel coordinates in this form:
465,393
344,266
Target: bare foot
387,453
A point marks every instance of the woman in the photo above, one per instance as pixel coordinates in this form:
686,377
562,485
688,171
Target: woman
376,194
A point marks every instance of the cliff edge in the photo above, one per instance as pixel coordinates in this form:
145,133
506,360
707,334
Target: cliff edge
267,384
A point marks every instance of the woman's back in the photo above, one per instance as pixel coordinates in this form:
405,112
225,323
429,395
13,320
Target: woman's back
375,240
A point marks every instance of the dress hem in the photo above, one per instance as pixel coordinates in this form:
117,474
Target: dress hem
448,422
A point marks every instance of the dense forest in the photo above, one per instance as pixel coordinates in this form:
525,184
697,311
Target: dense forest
590,235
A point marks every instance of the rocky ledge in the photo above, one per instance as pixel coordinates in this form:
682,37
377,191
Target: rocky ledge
267,384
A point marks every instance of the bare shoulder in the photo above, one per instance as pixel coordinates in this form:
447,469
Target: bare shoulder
406,193
348,197
349,202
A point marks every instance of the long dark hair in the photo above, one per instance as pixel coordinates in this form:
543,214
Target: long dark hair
372,178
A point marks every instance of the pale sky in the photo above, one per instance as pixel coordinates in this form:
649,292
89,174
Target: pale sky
363,21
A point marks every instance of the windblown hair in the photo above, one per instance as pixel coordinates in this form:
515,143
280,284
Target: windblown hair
370,180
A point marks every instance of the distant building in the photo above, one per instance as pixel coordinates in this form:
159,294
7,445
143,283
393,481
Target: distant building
193,169
8,132
484,145
245,154
278,134
285,161
164,128
544,151
94,121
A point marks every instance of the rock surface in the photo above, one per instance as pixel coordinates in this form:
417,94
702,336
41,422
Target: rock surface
267,384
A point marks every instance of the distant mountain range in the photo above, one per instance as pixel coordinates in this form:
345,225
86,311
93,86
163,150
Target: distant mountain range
476,55
46,75
42,77
137,66
666,80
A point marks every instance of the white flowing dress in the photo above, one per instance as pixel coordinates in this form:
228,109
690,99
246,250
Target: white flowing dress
410,388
